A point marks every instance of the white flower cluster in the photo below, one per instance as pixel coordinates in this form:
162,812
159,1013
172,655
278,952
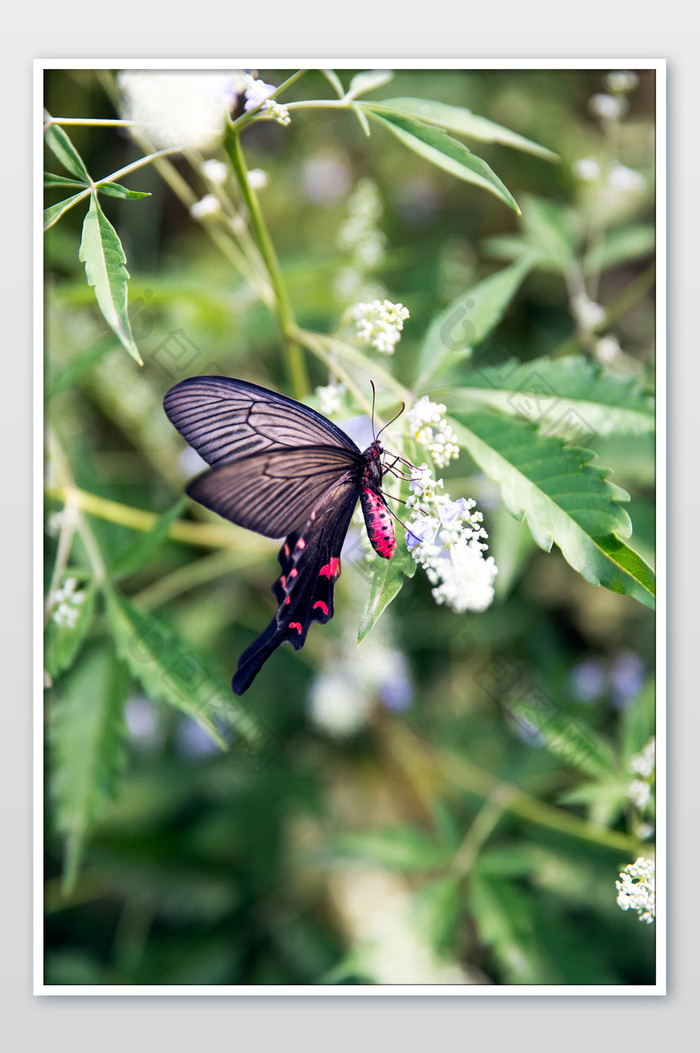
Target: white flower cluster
68,603
621,81
331,397
257,93
215,172
637,889
182,109
447,539
379,324
642,766
427,426
359,236
608,108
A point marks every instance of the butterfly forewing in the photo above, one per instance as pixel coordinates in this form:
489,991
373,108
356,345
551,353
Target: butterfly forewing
224,419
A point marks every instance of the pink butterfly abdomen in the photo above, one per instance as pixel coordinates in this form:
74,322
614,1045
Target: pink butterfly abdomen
378,523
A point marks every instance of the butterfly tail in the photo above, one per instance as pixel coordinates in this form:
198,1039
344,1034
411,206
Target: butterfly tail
254,657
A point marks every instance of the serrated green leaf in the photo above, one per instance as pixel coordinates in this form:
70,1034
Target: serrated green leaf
63,642
625,245
440,149
368,80
462,121
171,671
562,498
403,848
51,180
54,212
386,577
571,397
550,227
102,253
86,738
334,80
117,190
573,742
465,322
62,148
145,546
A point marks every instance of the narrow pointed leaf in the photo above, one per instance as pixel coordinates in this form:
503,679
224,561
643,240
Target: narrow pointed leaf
369,80
386,578
102,253
465,322
145,546
564,499
461,121
63,149
440,149
54,212
117,190
51,180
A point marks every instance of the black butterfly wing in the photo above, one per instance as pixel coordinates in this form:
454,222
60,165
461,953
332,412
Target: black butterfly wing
274,492
310,562
225,419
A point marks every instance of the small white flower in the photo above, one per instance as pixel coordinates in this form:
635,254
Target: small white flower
447,539
208,206
619,82
258,178
626,179
427,426
637,889
607,349
587,169
331,398
588,314
644,763
379,324
639,793
215,172
183,109
257,94
67,604
608,107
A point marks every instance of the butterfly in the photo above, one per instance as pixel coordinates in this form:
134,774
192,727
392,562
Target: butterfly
283,470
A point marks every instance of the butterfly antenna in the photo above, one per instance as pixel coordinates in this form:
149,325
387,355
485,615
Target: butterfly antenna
374,397
395,417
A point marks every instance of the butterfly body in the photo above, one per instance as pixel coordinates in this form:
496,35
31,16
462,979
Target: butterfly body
283,470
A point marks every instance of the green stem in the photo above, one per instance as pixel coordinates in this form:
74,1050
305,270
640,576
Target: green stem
295,363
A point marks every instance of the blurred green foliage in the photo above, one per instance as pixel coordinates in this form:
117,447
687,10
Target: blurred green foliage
469,827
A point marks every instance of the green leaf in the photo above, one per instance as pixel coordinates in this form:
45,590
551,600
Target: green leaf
102,253
572,741
54,212
63,642
462,121
436,908
403,848
437,147
386,577
571,397
51,180
145,546
368,80
86,738
62,148
562,498
551,229
625,245
117,190
171,671
465,322
639,721
502,914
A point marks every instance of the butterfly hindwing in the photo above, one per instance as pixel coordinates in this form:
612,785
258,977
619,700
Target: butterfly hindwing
310,564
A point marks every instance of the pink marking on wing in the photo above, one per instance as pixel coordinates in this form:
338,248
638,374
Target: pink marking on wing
288,600
330,569
286,549
295,625
293,573
322,605
300,543
283,580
